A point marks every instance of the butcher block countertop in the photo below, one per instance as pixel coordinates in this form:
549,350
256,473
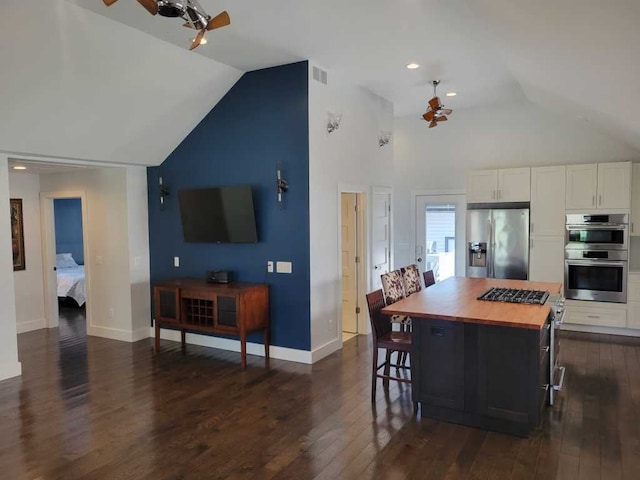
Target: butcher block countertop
455,299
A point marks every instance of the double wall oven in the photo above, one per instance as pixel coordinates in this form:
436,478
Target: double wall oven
596,257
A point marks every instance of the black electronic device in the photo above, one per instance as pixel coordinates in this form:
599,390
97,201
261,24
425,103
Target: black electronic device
218,276
218,215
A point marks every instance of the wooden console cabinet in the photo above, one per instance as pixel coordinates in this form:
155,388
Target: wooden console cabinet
193,305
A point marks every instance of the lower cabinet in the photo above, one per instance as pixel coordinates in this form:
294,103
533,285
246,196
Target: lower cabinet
489,377
596,314
546,259
633,307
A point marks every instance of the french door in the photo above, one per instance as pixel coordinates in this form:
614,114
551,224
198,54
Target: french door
440,234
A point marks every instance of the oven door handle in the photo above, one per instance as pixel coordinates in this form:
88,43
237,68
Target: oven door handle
597,263
591,226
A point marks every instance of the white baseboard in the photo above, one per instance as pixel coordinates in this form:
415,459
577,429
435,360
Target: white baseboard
9,370
281,353
117,333
626,332
31,325
326,350
140,334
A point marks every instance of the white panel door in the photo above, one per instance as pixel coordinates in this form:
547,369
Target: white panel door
548,185
546,259
440,234
381,237
482,186
582,182
614,185
349,272
514,185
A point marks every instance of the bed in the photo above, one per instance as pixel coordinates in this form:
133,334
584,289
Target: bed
71,281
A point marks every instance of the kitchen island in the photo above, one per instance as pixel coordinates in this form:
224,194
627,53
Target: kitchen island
478,363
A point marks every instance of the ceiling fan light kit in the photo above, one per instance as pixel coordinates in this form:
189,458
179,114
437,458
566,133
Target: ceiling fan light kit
435,111
190,11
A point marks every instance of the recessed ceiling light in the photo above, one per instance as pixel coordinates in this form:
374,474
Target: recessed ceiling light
19,167
451,94
412,66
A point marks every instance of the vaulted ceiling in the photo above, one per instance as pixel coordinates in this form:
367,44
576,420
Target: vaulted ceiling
577,58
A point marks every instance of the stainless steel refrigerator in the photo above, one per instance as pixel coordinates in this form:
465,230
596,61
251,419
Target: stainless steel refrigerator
498,243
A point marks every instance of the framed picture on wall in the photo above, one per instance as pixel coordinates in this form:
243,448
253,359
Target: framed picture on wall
17,234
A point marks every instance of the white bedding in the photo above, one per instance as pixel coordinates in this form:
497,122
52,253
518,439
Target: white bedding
71,283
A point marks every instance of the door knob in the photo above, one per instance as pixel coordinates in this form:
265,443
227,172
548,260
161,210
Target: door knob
419,259
377,267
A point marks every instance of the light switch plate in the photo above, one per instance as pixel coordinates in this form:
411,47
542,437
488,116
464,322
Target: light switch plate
176,261
283,267
270,266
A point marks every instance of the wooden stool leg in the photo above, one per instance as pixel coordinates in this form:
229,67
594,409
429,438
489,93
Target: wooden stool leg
157,325
183,338
387,367
374,374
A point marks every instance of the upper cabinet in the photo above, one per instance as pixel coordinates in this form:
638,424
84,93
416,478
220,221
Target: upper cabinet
547,201
599,186
505,185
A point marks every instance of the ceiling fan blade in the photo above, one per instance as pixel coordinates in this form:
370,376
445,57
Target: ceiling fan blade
446,111
441,118
108,3
428,116
198,39
434,103
150,5
220,20
433,124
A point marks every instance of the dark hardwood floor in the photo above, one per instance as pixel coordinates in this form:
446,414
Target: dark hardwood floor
93,408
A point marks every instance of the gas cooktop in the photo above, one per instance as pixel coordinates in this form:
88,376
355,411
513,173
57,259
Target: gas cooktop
515,295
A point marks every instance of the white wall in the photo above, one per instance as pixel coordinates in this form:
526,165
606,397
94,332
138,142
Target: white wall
138,235
513,135
28,283
108,266
349,156
78,85
9,364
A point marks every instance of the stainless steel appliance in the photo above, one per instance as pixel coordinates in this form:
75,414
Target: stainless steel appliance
556,371
596,257
597,232
498,242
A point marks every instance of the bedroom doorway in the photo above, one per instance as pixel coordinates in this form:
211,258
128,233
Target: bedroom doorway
66,276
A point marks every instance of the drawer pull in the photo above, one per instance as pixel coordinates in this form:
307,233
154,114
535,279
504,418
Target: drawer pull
561,382
548,326
545,349
545,387
593,316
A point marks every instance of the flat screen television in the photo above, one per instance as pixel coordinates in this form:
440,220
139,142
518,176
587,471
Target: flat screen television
218,215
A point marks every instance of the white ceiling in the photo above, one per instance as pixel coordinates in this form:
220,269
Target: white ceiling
575,56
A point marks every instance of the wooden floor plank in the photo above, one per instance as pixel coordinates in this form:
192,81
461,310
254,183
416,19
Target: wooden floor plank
91,408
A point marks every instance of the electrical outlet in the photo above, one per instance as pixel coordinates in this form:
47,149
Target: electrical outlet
270,266
176,261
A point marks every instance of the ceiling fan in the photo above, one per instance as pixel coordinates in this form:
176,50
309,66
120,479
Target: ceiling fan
188,10
436,111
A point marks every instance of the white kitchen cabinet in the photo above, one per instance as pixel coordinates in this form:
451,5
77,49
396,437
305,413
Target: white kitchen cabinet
599,186
514,185
548,187
597,314
482,186
634,228
614,185
633,298
582,186
546,259
504,185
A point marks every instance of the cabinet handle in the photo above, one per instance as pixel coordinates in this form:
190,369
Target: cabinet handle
548,326
545,387
545,349
593,200
600,200
593,316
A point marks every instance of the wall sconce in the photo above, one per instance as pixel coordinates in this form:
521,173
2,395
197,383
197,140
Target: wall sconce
333,122
281,187
164,192
384,138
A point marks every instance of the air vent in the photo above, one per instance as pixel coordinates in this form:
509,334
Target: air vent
319,75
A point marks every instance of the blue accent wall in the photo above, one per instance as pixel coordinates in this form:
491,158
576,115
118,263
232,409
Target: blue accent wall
261,121
68,225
